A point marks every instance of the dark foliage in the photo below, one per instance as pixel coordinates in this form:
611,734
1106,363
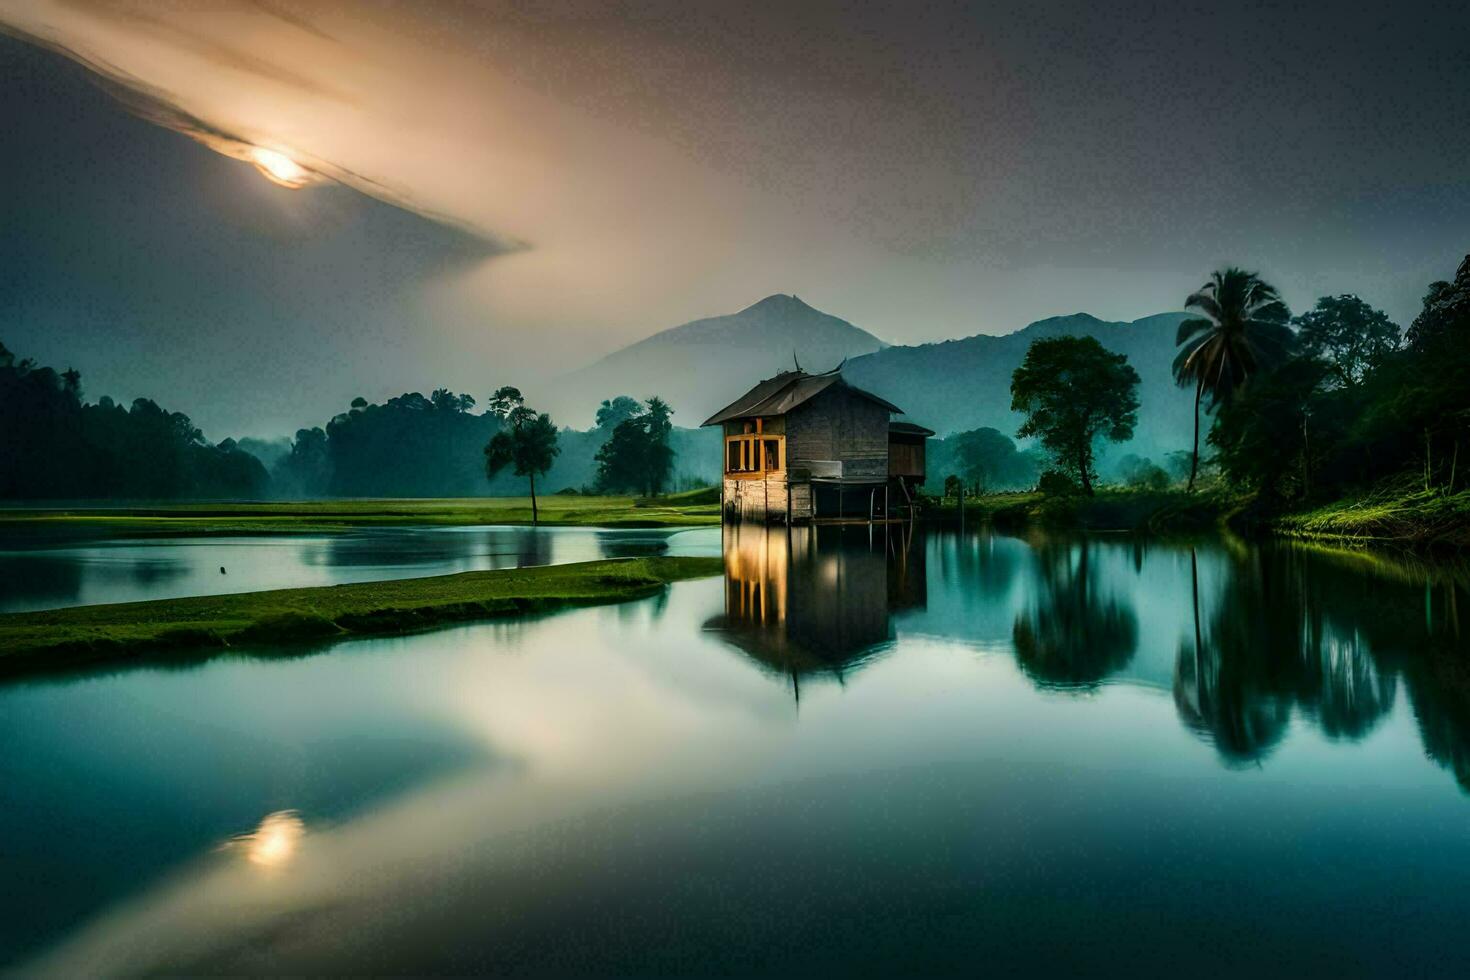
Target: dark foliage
1345,415
1348,336
984,459
54,445
411,446
1073,391
638,456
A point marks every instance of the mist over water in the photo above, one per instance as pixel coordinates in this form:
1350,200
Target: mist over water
860,750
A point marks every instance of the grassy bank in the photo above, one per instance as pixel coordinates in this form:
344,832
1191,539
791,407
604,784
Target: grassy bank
1415,518
63,637
322,516
1111,509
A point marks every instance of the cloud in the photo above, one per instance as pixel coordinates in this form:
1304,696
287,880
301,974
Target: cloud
610,214
924,174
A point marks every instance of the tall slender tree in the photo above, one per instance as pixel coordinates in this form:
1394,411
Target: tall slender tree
526,440
1241,330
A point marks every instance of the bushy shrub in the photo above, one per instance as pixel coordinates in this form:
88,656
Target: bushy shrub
1055,483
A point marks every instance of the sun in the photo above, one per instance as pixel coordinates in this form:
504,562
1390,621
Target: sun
279,168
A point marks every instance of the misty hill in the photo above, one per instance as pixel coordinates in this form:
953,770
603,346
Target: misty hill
964,384
705,364
950,386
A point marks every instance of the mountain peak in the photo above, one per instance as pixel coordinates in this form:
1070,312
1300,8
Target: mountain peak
777,303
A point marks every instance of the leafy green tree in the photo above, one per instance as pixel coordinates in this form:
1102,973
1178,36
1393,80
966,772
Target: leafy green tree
1072,391
1241,331
1349,336
638,455
526,440
622,460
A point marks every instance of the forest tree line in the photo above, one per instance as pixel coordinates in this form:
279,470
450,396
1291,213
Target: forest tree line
1336,401
57,446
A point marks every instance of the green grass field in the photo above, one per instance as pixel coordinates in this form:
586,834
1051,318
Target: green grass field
1412,517
694,507
58,638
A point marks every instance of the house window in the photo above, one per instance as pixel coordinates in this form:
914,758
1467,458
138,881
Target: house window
754,454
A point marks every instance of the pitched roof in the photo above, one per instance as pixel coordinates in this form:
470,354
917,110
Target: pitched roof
909,429
787,390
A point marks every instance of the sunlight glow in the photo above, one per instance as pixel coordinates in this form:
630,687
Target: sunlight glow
274,843
279,167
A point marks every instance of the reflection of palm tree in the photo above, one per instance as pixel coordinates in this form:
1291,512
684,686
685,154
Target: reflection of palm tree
1269,647
1243,329
1072,638
1355,693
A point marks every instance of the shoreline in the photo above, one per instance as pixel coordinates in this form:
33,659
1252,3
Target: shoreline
335,516
57,639
1415,521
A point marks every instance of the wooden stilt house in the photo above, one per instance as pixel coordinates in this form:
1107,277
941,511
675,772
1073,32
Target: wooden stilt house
800,447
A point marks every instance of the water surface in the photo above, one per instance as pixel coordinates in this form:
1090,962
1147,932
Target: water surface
49,571
855,753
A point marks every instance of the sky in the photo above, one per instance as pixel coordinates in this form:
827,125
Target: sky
501,192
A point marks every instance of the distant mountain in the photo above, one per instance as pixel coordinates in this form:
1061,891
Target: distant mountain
701,366
964,384
950,387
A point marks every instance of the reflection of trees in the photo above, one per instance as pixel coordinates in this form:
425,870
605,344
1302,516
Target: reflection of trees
1297,628
1071,637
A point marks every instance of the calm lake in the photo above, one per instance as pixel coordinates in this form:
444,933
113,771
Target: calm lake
859,752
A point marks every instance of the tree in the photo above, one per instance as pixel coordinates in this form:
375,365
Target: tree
987,459
55,445
621,461
615,410
1266,438
306,471
1073,390
1348,335
409,446
526,440
659,424
1142,473
1243,330
637,455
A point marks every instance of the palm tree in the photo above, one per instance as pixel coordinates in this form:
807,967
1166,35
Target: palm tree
1243,331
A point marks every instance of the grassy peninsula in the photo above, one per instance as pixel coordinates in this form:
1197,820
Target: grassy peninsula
63,637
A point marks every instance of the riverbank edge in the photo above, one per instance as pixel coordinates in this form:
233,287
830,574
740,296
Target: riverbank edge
58,639
1425,521
691,509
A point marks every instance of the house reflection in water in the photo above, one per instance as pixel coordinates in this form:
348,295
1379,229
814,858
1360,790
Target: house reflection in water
816,601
